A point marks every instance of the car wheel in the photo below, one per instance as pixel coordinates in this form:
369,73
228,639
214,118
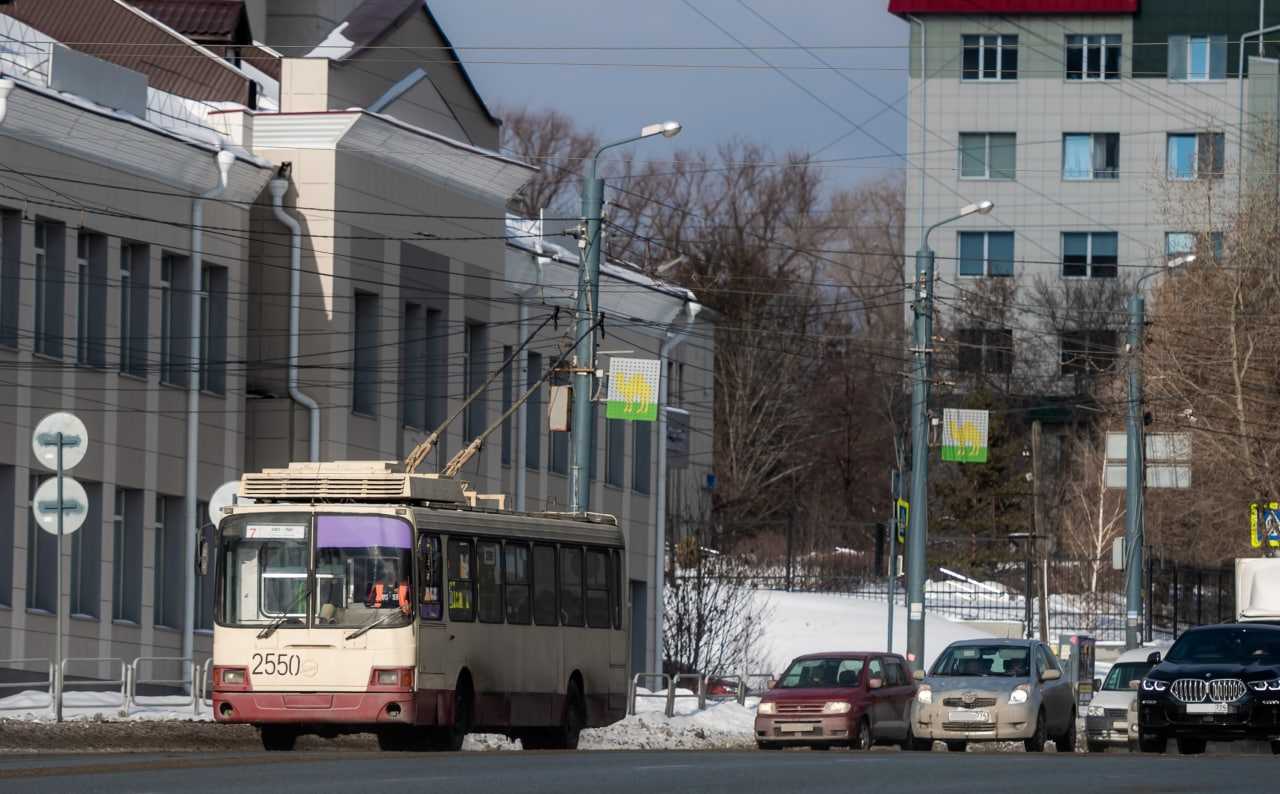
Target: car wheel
912,743
819,747
1067,741
956,746
1152,743
1097,747
1275,748
1035,742
863,740
1191,745
768,746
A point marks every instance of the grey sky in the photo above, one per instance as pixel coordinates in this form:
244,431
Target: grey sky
714,104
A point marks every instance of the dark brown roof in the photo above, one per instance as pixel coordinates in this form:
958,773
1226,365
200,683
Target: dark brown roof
113,32
263,60
205,21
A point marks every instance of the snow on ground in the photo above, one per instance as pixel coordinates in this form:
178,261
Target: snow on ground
34,705
801,623
720,725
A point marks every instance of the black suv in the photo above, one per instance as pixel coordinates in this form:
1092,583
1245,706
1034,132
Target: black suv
1218,683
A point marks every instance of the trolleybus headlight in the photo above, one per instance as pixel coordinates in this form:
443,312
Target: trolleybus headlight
401,677
230,676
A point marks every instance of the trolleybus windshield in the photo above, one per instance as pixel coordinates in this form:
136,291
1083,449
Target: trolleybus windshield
358,574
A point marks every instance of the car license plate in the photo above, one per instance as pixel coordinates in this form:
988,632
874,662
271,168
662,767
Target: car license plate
1208,708
1120,726
968,716
795,727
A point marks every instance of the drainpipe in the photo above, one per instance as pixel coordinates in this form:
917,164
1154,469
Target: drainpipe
279,186
522,412
5,87
673,339
225,160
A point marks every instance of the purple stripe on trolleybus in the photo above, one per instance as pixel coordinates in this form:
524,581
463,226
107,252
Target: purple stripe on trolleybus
353,532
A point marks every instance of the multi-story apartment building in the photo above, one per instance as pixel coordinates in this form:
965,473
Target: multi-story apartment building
1106,132
413,286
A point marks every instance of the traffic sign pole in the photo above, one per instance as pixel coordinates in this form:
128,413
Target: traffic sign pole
61,611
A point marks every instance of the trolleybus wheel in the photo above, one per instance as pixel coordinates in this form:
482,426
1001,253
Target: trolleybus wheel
404,738
451,738
575,717
278,738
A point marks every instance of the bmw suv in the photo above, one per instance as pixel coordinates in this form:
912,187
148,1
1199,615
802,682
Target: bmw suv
1218,683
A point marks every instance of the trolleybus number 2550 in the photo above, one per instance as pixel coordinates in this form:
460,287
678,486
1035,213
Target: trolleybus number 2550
277,664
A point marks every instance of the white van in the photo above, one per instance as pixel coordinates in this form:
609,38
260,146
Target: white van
1107,720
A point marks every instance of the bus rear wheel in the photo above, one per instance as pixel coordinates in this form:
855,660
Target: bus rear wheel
564,737
278,738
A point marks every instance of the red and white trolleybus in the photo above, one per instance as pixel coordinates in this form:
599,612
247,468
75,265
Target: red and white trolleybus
354,598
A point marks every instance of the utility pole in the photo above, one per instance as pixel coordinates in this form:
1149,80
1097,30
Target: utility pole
895,493
1133,477
1039,531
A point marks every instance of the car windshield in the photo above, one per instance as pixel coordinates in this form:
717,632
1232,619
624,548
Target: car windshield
1126,676
1235,645
821,674
1009,661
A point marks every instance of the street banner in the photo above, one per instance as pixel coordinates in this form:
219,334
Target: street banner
633,389
964,435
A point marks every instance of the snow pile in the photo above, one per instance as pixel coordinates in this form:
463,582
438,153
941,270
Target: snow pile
35,705
719,726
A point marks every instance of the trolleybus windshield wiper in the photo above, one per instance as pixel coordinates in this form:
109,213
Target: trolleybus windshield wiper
372,624
271,627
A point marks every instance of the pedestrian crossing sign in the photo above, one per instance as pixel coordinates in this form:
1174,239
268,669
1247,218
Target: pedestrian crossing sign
1264,525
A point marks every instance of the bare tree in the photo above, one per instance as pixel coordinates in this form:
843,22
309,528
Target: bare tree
714,619
550,141
1090,515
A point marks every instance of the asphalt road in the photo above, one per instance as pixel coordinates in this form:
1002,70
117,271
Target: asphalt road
626,772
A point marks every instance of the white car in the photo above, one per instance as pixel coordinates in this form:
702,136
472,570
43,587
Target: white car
1107,719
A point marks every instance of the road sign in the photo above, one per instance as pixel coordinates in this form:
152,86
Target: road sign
964,435
1264,525
1167,461
904,516
75,505
226,495
75,440
633,389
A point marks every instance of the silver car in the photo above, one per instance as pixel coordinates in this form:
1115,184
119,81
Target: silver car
996,690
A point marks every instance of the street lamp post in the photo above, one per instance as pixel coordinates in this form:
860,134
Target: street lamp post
1134,529
919,515
587,307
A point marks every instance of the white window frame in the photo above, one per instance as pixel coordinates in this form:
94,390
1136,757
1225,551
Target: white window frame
1089,263
986,159
1207,40
982,52
1099,41
986,253
1093,166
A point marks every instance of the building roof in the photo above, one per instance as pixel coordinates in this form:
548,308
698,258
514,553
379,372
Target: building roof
1013,6
205,21
115,31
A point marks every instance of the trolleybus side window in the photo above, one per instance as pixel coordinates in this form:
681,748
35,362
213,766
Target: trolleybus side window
488,582
615,587
571,585
432,605
461,581
544,585
598,607
516,578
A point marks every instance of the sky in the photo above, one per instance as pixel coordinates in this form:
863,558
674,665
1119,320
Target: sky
708,78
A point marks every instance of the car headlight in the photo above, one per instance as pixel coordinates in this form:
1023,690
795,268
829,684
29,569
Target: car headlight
1263,686
1097,711
1019,695
1153,685
835,707
925,695
767,707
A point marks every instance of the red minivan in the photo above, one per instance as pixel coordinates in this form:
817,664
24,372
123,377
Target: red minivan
838,700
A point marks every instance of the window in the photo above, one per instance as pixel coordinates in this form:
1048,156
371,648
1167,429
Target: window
42,551
986,253
544,586
171,370
985,350
86,558
437,371
875,669
462,596
571,586
50,240
1197,155
598,605
1089,254
988,155
429,577
126,544
1091,155
488,582
615,587
364,384
413,376
508,398
170,566
213,329
1202,245
558,460
1198,56
1093,57
476,418
10,278
1085,352
990,57
515,575
134,308
615,452
892,674
640,465
8,480
533,427
91,300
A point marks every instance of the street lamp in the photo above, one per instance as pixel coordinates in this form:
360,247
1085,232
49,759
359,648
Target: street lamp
1135,451
587,308
919,517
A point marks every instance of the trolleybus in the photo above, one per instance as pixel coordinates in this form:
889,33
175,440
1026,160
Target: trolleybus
355,598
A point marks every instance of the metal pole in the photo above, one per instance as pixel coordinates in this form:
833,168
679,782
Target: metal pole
1028,587
1133,477
59,609
919,518
584,360
895,488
